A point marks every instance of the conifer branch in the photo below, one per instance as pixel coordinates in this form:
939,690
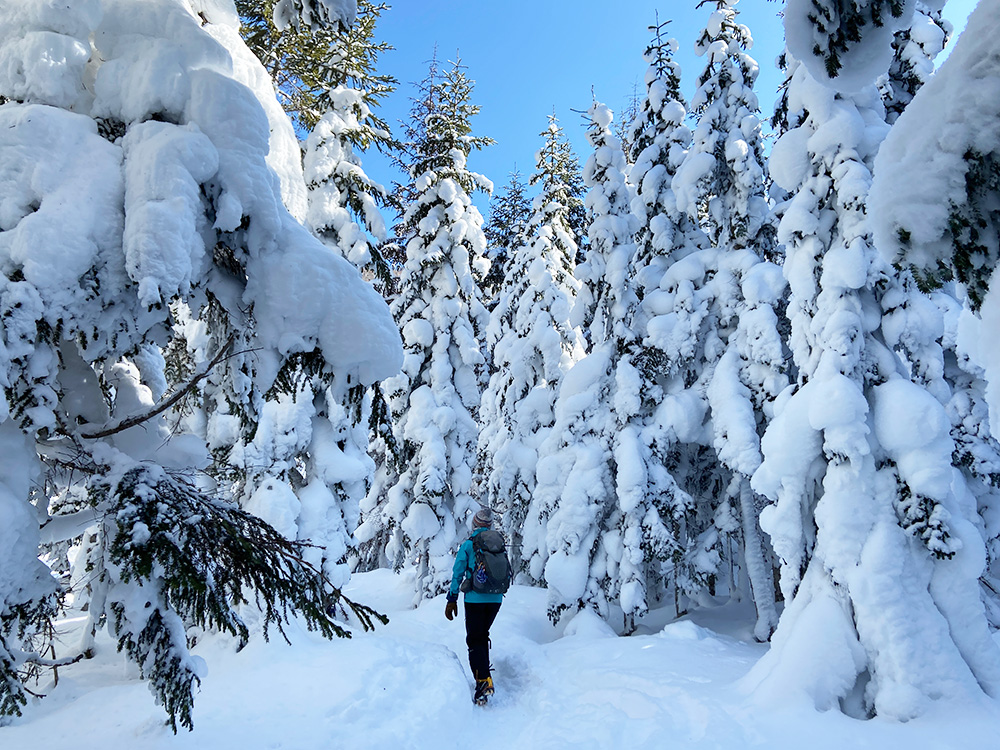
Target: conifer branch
166,403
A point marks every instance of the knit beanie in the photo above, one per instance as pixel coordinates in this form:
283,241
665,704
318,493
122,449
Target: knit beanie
483,519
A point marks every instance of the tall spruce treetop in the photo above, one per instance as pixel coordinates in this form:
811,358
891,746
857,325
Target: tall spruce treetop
133,315
915,48
659,141
505,230
306,61
722,182
436,397
561,176
607,298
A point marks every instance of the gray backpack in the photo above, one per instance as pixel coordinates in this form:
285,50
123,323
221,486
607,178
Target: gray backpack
491,571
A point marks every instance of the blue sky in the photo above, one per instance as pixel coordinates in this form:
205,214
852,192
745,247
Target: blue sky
530,56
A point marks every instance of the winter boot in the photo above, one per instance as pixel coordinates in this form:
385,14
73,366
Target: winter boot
484,689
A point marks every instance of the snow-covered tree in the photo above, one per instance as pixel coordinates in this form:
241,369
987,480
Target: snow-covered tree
872,522
658,512
607,296
344,202
532,344
155,290
435,399
505,231
722,181
571,536
934,199
660,140
564,167
915,48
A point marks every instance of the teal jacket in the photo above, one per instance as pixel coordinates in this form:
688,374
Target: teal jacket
465,561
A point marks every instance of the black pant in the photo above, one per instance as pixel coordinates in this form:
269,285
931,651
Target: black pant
479,616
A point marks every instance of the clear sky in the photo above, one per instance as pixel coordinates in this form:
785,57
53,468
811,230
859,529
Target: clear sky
530,56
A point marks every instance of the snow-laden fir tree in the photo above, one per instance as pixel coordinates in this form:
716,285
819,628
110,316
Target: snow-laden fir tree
314,438
874,525
607,295
915,48
532,344
722,181
939,195
572,534
934,197
344,202
671,326
562,163
847,43
659,141
149,264
977,452
505,231
435,400
379,527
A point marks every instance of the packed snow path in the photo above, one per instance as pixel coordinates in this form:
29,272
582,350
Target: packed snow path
408,686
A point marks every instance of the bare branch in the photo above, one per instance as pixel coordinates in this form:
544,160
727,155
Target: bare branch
52,663
165,403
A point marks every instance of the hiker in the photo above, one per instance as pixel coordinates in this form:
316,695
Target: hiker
484,585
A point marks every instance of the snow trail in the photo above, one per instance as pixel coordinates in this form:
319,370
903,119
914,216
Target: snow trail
407,685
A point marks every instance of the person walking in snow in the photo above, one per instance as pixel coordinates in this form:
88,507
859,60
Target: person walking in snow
482,572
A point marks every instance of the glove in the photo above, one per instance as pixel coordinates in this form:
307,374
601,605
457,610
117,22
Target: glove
451,610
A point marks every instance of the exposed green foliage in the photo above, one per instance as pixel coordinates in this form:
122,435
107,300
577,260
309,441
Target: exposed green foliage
306,65
194,559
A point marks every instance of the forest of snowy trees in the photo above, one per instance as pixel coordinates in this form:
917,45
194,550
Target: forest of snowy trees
705,366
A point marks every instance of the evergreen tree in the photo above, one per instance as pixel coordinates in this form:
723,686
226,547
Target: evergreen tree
146,323
505,231
307,62
915,48
867,517
533,345
834,38
607,295
943,222
660,141
571,538
722,181
344,202
622,126
564,168
436,397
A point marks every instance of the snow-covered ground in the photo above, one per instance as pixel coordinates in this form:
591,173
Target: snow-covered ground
408,686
